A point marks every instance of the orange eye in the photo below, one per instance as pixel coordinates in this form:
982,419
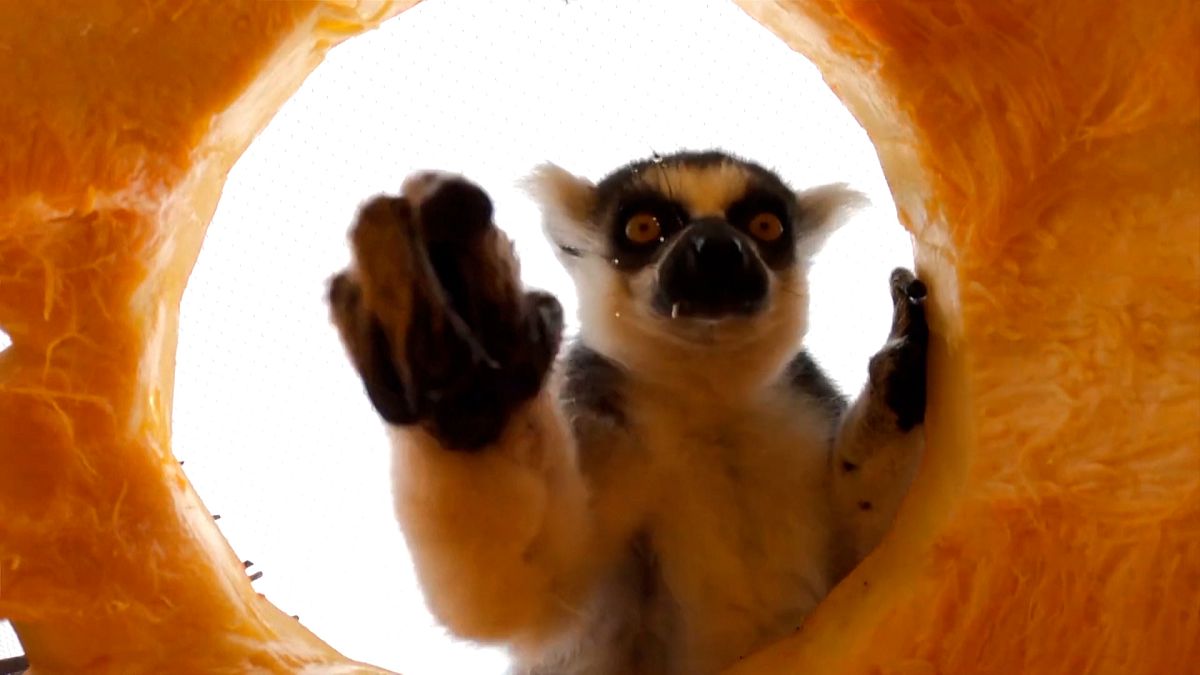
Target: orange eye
642,228
766,227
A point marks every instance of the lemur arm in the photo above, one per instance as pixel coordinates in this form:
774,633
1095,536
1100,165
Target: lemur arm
501,539
455,356
879,441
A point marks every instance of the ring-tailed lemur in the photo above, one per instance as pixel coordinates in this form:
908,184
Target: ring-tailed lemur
685,484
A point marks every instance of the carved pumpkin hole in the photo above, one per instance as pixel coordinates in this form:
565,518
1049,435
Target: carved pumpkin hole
276,433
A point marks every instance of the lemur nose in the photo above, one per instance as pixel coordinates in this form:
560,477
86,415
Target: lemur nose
705,243
718,252
713,272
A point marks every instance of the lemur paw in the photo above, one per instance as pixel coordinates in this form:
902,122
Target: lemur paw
433,315
898,371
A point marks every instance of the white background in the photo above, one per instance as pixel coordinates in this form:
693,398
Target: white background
276,433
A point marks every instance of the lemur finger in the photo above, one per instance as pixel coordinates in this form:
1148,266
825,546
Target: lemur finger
345,297
346,312
385,267
471,264
908,303
899,282
370,352
471,412
550,313
906,286
450,208
544,323
482,346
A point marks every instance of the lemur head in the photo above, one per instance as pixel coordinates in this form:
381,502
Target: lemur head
689,255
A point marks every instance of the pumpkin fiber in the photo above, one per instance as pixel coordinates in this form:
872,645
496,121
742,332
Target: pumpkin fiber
120,122
1045,156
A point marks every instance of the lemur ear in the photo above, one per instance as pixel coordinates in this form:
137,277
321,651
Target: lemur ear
822,211
567,202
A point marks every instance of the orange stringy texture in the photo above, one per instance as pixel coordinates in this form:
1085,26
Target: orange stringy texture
1045,155
118,123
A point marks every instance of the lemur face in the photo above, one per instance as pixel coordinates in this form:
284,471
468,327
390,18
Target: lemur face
688,249
707,231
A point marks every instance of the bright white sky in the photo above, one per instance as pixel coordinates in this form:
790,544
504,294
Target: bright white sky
276,433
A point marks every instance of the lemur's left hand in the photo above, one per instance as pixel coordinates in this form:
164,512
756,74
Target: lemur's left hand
434,317
897,372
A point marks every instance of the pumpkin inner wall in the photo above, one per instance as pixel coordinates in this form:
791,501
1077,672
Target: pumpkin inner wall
1044,155
1049,176
112,156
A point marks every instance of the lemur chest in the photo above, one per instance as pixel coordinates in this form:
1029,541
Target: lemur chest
731,527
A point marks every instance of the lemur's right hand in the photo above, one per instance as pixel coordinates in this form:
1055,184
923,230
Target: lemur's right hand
434,317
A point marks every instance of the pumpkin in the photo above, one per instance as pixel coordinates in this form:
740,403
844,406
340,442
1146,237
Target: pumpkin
1044,156
118,125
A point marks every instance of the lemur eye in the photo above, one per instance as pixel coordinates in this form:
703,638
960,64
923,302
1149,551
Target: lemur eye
766,226
643,228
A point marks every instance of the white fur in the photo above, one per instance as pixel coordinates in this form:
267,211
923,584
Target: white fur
731,489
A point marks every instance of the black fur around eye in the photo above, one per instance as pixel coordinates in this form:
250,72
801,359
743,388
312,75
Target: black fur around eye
632,244
742,212
756,215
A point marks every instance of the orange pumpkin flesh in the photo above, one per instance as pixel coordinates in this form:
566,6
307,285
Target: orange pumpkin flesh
1043,154
117,127
1046,156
